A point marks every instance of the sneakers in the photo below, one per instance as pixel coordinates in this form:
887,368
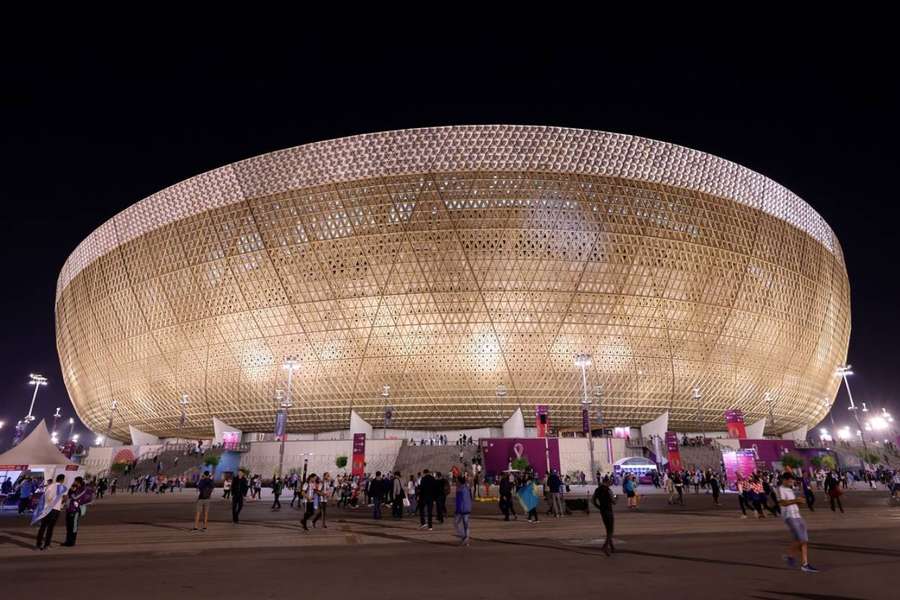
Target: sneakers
808,568
789,560
424,526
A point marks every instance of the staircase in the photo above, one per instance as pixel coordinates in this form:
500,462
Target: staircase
701,457
413,459
187,463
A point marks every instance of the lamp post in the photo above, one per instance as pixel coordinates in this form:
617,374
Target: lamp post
388,412
37,381
56,417
844,371
71,427
770,405
584,361
287,402
183,401
698,397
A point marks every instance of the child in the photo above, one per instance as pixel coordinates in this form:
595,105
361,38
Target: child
796,525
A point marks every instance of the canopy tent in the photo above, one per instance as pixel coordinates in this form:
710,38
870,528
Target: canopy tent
37,453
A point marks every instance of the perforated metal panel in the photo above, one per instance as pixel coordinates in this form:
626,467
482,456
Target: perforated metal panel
445,262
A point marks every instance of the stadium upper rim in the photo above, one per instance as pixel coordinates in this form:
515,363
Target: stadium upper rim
458,148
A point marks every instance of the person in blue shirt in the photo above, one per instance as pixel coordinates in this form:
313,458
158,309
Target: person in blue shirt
463,509
26,489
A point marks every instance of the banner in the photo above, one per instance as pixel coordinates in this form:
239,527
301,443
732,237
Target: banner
585,420
542,419
738,462
674,451
280,424
499,454
734,420
358,466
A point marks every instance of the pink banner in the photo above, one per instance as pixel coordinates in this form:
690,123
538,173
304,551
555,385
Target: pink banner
674,451
358,466
740,462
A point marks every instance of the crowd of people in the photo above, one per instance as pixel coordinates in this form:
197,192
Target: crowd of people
442,440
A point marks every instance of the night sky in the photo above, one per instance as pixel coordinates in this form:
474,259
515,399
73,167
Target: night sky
88,128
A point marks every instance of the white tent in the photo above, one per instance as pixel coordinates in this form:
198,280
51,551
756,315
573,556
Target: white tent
37,453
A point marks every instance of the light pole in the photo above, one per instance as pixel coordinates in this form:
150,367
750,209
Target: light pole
56,417
698,397
183,401
584,361
71,427
388,412
287,402
844,371
827,406
770,405
37,381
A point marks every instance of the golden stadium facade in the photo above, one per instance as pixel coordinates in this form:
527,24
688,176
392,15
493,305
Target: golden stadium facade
446,262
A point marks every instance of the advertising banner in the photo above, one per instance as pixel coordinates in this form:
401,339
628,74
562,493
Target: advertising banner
280,424
674,451
499,453
585,420
736,462
542,419
231,439
734,421
768,451
358,466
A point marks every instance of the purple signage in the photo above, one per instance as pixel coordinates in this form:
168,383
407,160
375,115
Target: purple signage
499,453
280,424
585,420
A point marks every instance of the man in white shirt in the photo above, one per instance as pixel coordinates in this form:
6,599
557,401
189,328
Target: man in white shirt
48,511
790,511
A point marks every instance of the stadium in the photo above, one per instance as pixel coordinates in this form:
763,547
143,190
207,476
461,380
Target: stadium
464,268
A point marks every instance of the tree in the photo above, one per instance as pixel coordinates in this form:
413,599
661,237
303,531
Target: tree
869,457
828,462
520,463
340,462
792,460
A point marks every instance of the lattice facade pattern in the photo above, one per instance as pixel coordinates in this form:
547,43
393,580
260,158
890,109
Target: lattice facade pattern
447,262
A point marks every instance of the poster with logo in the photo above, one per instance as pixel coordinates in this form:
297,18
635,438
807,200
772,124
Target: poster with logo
542,419
358,466
734,421
500,453
736,462
673,450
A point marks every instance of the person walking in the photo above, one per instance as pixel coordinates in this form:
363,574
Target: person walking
79,496
463,510
226,488
47,511
833,489
713,481
555,484
507,485
205,489
277,488
311,499
326,490
377,492
604,499
442,490
426,498
26,489
398,497
790,506
239,489
529,499
411,496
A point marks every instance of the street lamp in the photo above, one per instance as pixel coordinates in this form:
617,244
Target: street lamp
844,371
388,410
37,381
286,402
71,427
770,405
183,401
584,361
56,417
698,398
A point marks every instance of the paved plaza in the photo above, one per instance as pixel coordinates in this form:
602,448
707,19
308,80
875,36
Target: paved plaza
142,546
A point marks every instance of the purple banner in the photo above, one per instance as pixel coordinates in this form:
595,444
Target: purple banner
280,424
358,464
500,452
768,451
585,420
739,462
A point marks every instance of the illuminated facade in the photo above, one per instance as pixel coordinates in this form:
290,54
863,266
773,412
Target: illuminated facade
444,263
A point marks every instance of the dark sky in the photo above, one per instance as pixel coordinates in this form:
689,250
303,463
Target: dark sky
89,127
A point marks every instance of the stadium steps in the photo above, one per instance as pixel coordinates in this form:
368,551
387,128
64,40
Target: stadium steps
413,459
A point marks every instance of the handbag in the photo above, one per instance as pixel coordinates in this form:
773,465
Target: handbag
406,502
